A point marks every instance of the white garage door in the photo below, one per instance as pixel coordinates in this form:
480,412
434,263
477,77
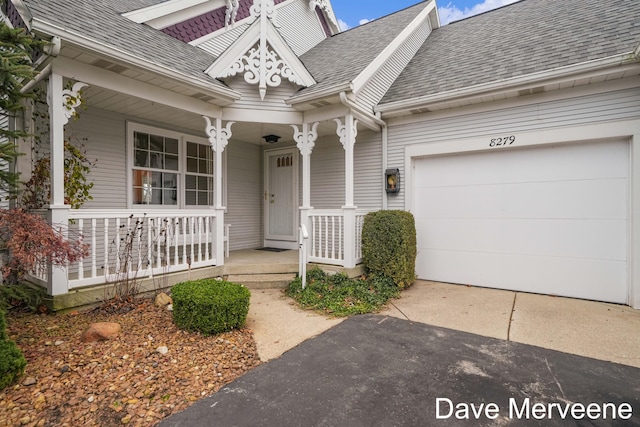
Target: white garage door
549,220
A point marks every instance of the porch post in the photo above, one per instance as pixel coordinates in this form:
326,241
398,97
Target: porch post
62,103
306,141
347,134
218,138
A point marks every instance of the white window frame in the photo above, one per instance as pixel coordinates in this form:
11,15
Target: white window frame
132,128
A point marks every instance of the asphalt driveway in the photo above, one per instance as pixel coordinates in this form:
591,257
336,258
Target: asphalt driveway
376,370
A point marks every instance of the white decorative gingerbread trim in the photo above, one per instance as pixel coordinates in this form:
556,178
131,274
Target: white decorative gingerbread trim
264,9
306,141
341,131
232,11
71,99
218,142
326,7
263,66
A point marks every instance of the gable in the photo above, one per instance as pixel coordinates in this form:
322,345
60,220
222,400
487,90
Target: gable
261,55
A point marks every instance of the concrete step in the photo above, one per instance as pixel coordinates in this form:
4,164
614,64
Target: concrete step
263,281
274,268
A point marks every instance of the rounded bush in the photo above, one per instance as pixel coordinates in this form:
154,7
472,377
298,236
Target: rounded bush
210,306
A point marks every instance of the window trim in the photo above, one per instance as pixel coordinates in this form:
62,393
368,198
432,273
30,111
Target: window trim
182,138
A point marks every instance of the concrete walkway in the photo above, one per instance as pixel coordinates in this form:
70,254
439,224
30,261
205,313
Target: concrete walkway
602,331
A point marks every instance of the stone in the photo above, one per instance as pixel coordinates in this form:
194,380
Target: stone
59,342
170,307
163,299
39,402
101,331
162,350
29,381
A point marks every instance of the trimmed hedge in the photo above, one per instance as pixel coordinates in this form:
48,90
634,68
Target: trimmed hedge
210,306
389,246
12,362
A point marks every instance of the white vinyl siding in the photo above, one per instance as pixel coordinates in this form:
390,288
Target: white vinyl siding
222,40
300,26
103,135
274,100
377,87
244,185
581,110
327,172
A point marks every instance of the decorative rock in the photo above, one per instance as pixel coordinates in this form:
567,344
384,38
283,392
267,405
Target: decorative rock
162,350
101,331
163,299
39,402
29,381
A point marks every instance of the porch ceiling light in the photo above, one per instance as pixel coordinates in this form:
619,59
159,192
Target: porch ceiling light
271,139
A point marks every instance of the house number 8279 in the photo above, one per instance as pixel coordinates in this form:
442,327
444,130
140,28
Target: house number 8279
498,142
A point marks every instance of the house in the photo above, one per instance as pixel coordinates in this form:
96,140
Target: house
512,136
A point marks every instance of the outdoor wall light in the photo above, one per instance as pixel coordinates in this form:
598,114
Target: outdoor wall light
392,180
271,139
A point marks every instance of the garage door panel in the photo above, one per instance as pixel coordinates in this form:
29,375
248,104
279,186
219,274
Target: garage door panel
566,199
546,219
591,239
545,275
525,165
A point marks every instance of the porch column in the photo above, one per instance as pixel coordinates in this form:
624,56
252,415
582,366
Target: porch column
306,141
218,138
347,133
62,104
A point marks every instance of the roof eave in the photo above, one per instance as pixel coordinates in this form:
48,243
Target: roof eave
334,90
520,82
226,95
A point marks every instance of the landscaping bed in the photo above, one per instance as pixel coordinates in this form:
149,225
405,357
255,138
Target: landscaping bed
122,381
338,295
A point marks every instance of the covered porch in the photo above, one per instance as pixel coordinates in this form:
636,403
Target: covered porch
131,238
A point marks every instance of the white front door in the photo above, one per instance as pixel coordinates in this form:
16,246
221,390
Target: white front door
281,197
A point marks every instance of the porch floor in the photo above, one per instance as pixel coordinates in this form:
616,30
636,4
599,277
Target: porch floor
257,257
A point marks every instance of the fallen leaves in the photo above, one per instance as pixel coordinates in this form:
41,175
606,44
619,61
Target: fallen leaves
121,381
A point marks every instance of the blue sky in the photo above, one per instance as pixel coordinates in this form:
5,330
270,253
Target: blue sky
352,13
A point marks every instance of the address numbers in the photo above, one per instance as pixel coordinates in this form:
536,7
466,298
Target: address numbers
501,142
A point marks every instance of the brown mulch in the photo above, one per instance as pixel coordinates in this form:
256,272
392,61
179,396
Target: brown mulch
120,381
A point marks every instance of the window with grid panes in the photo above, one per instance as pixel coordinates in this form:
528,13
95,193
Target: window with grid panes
171,170
199,175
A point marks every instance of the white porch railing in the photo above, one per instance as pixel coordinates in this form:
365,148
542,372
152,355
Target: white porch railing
127,244
327,236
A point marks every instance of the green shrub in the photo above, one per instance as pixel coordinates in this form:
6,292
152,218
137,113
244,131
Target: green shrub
389,246
12,362
339,295
3,325
210,306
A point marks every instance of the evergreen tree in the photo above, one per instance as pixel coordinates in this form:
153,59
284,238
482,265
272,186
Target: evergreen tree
16,68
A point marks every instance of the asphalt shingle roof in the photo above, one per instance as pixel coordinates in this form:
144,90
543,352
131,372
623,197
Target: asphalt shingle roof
341,58
102,22
523,38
